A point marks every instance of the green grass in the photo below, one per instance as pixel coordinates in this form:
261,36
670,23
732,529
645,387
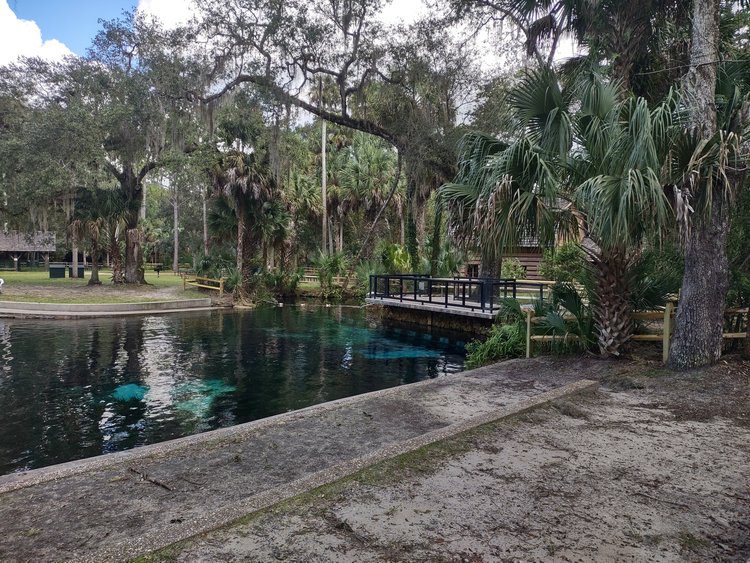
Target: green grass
38,287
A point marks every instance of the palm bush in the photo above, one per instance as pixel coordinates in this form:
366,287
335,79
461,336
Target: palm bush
589,158
329,267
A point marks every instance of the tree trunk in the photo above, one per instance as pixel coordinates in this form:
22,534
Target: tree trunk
490,267
94,280
142,211
205,224
436,242
176,238
244,248
412,244
699,321
611,309
134,272
74,272
324,187
115,255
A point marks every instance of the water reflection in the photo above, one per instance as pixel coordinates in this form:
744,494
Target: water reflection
73,389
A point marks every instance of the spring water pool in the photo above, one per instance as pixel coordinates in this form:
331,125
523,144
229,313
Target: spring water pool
75,389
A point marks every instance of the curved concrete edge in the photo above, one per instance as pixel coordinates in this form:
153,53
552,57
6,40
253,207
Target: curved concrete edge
21,310
275,496
103,307
71,316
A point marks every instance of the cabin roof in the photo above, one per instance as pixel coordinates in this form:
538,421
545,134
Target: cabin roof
15,241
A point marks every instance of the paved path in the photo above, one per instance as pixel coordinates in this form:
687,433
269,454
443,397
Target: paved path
117,506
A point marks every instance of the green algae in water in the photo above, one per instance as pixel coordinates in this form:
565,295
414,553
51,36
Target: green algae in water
196,397
399,353
129,392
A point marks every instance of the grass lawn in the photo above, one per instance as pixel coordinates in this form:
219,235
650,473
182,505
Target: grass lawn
37,287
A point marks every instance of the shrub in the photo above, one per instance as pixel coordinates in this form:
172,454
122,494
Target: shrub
330,266
504,341
565,263
284,284
512,269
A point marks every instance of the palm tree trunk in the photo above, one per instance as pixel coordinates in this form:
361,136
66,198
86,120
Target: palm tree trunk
176,235
205,225
94,280
115,254
74,272
244,248
324,187
699,321
611,307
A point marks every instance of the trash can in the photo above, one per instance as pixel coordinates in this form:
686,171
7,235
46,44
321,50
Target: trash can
80,271
56,270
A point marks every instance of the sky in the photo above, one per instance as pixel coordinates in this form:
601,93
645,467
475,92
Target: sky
55,28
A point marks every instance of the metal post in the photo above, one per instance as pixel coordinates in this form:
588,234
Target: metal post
481,294
514,289
400,289
429,290
387,286
415,288
446,295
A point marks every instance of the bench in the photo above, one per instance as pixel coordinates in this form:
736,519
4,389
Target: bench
204,283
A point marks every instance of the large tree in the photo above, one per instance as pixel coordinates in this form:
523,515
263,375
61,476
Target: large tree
713,151
121,105
402,85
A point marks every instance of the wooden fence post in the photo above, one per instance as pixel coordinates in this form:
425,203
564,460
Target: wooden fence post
221,287
667,334
528,333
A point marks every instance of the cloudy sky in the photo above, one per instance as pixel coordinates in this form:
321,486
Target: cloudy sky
54,28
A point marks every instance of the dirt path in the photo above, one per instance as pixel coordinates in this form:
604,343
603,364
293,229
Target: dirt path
654,469
124,504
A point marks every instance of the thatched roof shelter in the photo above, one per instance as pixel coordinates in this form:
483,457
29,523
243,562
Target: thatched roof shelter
15,241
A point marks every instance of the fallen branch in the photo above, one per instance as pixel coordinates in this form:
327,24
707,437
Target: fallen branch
145,477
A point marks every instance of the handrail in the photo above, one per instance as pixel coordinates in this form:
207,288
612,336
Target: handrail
483,294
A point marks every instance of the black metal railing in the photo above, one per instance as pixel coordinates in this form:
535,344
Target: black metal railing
476,294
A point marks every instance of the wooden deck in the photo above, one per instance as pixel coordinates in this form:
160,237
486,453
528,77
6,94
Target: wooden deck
454,307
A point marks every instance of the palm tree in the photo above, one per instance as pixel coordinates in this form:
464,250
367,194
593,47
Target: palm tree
589,159
98,214
243,180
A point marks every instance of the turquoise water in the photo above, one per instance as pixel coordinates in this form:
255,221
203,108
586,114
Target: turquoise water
75,389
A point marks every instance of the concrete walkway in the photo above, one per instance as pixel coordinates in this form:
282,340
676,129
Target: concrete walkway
122,505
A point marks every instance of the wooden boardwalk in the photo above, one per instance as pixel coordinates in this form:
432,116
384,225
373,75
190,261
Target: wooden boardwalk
454,306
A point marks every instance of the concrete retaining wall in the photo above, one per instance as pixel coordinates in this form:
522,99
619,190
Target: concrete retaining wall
422,316
104,307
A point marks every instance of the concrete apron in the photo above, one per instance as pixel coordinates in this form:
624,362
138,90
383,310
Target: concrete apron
125,504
